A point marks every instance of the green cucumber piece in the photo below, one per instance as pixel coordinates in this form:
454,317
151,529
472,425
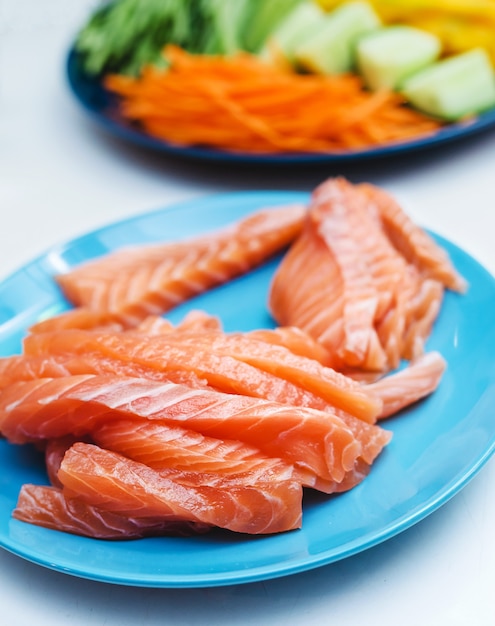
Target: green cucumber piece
386,57
456,87
294,29
330,49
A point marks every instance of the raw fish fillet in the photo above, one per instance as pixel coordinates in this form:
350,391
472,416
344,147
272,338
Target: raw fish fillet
412,241
47,506
194,320
30,367
119,485
166,446
147,280
416,381
82,318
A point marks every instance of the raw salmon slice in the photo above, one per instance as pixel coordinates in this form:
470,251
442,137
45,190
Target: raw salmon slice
324,285
295,340
193,320
82,318
49,408
114,483
149,280
412,241
165,446
208,460
344,224
305,382
416,381
30,367
47,506
303,291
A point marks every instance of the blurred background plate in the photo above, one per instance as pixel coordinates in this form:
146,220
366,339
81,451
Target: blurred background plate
102,107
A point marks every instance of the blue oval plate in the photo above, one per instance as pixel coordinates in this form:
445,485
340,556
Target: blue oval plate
438,445
102,107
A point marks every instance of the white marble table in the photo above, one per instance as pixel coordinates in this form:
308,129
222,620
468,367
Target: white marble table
60,177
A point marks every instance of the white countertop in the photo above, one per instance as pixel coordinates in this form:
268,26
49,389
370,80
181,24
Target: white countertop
60,177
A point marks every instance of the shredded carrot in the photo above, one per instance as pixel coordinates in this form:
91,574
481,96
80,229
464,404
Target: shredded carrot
243,103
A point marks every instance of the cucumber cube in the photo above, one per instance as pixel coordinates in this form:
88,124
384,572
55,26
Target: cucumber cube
330,49
300,23
389,55
456,87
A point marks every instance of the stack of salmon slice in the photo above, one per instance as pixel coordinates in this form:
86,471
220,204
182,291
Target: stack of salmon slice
375,283
150,428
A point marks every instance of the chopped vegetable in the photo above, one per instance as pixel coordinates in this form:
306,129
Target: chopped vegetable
389,55
242,103
459,86
293,30
127,34
331,48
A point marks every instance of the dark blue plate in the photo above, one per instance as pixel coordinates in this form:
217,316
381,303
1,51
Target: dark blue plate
102,107
438,446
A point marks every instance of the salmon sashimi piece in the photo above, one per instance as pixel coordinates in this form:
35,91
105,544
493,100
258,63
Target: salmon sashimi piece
342,222
82,318
19,367
208,460
416,381
307,383
117,484
166,446
295,340
412,241
194,320
338,198
150,280
330,283
302,292
47,506
318,441
154,325
26,367
421,313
